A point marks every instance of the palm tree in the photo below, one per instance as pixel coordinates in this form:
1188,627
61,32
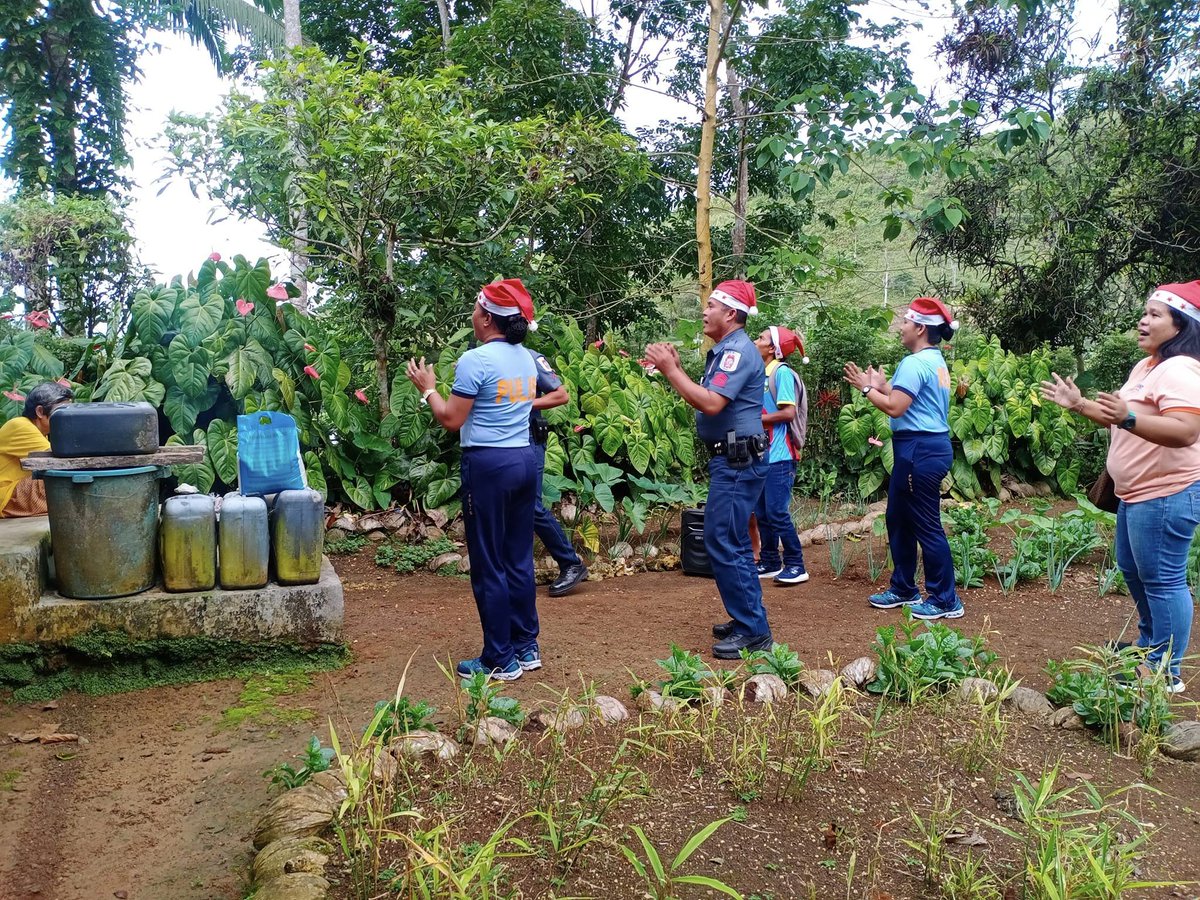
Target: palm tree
208,22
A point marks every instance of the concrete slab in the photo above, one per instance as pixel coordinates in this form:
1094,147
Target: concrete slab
30,612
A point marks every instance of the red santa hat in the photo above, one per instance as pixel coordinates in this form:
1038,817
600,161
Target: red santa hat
508,298
930,311
737,295
1184,297
785,341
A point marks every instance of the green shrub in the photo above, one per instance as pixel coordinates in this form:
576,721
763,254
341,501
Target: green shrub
911,664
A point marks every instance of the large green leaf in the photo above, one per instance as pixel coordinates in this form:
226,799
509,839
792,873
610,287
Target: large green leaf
556,455
315,474
359,491
222,450
200,475
45,363
190,366
869,482
251,282
182,410
639,446
152,312
441,490
247,365
287,387
609,429
199,317
854,427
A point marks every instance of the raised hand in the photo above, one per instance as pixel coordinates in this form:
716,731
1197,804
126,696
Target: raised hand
421,375
1062,391
855,376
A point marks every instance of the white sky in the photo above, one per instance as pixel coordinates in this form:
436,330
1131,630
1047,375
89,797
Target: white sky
173,230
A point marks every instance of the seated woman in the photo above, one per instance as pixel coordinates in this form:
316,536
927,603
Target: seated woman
20,495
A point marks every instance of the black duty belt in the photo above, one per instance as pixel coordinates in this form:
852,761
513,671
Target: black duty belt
739,450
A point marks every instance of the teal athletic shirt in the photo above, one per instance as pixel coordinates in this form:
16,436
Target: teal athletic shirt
924,377
502,380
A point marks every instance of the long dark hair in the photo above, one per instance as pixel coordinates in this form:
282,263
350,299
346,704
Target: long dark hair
935,334
1187,342
514,328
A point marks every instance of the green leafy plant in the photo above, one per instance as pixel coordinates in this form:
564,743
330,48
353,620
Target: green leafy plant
399,716
1105,688
779,660
484,698
315,758
406,558
662,880
351,543
687,676
912,663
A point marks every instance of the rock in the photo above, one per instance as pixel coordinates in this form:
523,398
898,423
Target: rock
1031,702
371,522
860,672
432,533
620,550
346,523
464,564
668,548
444,559
393,519
438,517
423,743
979,690
656,701
493,731
297,886
1182,741
715,695
817,681
331,780
646,551
1067,719
610,709
291,855
561,719
1128,735
302,812
457,530
764,689
549,563
567,511
377,536
385,768
335,535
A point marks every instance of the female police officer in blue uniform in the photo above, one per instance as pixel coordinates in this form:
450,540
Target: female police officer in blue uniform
728,403
494,387
918,401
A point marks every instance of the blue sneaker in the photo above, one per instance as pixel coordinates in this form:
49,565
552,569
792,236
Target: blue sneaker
529,659
469,667
889,599
765,571
791,575
929,610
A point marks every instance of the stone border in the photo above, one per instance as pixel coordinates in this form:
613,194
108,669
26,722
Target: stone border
292,858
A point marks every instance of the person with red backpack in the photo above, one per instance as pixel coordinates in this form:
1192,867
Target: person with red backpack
785,418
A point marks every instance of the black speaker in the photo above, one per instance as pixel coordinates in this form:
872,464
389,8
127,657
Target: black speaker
691,543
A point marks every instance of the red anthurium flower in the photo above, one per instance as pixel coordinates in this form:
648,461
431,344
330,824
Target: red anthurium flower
624,353
244,307
6,316
599,344
580,427
14,396
277,291
64,382
310,348
215,257
362,396
39,318
874,441
312,373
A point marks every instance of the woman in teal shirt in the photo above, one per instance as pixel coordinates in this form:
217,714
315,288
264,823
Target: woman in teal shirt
917,400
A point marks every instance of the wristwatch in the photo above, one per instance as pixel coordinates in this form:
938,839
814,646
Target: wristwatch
1128,422
425,396
866,390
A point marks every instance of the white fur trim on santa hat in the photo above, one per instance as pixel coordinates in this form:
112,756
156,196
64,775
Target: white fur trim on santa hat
497,310
775,341
1177,303
922,319
733,303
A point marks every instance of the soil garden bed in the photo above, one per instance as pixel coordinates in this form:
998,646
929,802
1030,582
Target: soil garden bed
162,800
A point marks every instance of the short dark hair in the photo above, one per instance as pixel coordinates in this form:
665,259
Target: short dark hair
46,395
740,317
1187,342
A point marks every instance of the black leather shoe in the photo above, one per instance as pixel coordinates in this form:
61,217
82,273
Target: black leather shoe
569,580
732,646
724,630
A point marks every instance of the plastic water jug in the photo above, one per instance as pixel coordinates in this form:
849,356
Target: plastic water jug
187,543
297,536
244,542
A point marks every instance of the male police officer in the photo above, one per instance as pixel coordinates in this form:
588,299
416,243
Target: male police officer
728,403
551,393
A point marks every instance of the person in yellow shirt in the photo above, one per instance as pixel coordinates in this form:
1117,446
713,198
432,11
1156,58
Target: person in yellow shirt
20,495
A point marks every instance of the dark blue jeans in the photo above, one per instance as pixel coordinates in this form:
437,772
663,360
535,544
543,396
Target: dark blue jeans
774,515
914,516
498,486
546,527
732,496
1153,539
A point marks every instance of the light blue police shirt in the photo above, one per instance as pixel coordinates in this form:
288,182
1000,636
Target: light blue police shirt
502,380
924,377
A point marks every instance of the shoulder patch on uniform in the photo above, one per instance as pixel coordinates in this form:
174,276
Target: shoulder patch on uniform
545,364
730,360
720,380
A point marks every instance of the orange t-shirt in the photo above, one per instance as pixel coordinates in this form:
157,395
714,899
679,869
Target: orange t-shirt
1142,470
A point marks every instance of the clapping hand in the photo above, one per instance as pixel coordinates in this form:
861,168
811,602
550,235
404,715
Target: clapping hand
663,357
421,375
860,378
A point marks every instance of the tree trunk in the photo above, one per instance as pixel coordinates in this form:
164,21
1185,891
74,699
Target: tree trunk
444,18
299,261
708,132
379,341
742,196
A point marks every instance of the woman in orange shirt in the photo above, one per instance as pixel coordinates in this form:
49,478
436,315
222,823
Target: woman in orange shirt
1154,461
20,495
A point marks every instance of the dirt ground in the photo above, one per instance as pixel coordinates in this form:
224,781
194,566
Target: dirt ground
159,804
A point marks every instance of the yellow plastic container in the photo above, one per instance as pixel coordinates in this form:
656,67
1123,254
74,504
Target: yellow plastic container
187,543
297,536
243,542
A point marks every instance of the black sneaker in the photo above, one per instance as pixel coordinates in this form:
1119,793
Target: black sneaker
568,580
724,630
732,646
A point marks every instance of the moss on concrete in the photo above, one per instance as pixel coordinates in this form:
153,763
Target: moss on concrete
257,700
109,662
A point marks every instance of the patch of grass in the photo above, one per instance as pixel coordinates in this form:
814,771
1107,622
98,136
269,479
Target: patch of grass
8,779
108,662
257,700
352,543
405,558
